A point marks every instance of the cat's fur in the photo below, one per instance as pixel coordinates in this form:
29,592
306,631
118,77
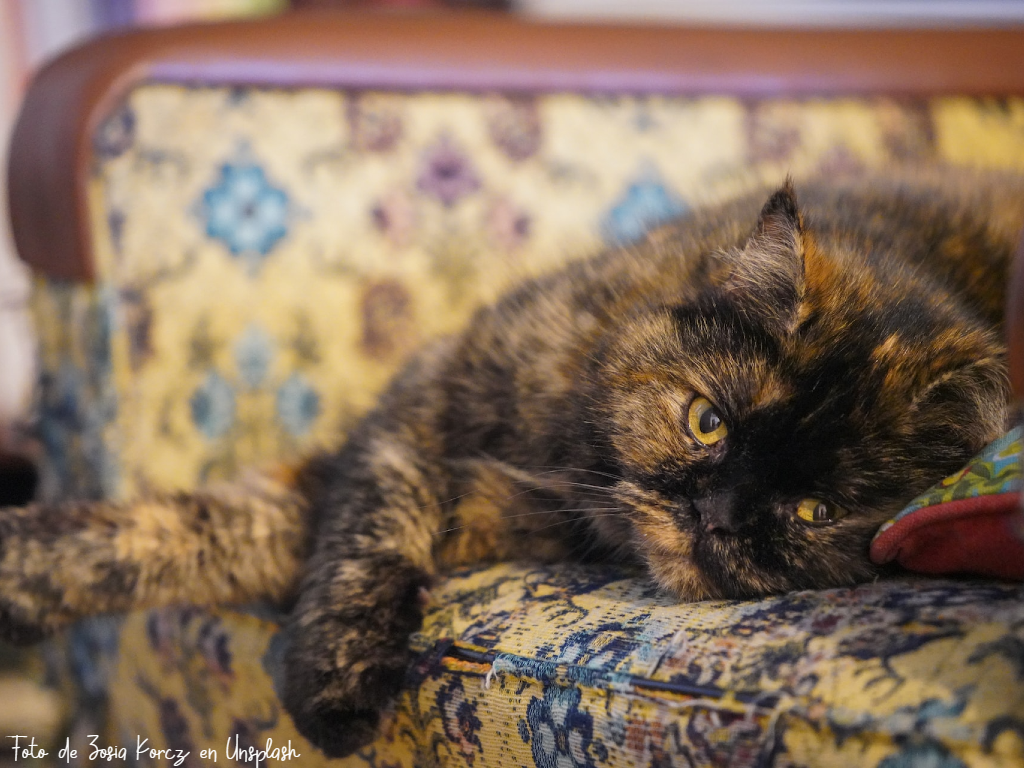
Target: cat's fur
852,346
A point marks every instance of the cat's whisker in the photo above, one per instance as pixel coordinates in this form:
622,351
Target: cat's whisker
573,484
607,512
585,486
547,469
579,498
557,512
574,520
521,476
551,486
449,530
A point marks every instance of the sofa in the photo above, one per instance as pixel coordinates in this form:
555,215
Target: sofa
239,230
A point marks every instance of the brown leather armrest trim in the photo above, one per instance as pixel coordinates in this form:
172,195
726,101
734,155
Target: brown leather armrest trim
51,144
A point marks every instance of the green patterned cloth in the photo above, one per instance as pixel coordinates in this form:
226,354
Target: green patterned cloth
996,470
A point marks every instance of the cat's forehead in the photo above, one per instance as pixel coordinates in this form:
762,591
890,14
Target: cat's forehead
842,361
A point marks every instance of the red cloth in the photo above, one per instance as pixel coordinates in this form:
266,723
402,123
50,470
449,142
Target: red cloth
977,535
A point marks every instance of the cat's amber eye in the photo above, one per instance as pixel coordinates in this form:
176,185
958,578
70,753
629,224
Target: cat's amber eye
705,422
818,512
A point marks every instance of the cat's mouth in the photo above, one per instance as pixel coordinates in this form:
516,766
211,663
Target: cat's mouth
695,555
725,553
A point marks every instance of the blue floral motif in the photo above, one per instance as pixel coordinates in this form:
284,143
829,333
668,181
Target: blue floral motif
244,210
298,405
646,204
213,406
92,653
602,648
62,396
560,733
922,755
253,353
116,134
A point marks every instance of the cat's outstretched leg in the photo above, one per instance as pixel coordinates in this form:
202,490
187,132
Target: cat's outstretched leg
231,543
396,511
363,593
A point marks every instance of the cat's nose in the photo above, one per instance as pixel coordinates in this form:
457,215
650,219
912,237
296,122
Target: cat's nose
719,512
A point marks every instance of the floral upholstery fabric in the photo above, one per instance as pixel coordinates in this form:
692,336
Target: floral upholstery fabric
575,667
267,257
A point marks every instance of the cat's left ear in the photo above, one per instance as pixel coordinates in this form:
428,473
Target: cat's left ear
767,274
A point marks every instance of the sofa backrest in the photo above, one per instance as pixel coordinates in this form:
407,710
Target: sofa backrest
241,230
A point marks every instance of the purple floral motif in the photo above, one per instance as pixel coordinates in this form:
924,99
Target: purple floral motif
375,122
163,631
559,732
725,738
387,312
447,173
244,211
772,134
840,160
176,731
395,217
115,224
508,224
459,719
514,126
214,644
908,131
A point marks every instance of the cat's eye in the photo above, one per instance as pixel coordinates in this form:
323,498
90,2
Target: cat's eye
818,512
705,422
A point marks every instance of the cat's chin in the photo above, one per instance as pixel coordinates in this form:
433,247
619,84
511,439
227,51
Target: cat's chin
688,584
679,574
681,579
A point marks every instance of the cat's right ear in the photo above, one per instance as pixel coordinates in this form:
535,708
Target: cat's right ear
767,274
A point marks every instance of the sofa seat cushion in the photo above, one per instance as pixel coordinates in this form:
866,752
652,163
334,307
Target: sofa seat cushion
578,666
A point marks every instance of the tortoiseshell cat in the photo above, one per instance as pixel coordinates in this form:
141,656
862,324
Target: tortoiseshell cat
736,403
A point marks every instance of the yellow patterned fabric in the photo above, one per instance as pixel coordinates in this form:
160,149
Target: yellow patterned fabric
267,257
583,667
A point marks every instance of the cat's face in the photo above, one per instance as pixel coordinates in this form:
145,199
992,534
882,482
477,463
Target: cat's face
765,429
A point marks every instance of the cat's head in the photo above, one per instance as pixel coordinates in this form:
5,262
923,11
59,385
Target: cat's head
768,425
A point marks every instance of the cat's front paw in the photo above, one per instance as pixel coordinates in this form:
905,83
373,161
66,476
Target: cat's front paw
340,725
348,654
